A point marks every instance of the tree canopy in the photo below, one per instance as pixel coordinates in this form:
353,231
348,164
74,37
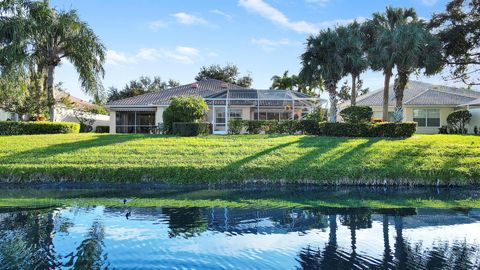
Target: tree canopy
140,86
228,73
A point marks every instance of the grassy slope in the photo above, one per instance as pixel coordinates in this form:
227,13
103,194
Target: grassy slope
229,159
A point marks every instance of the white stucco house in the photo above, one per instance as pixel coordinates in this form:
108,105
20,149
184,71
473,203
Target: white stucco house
226,101
427,104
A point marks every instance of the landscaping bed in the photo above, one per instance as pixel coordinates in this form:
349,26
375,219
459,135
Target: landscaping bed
279,159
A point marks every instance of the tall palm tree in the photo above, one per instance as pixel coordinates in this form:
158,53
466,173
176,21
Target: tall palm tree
414,49
283,82
378,33
322,61
353,55
45,36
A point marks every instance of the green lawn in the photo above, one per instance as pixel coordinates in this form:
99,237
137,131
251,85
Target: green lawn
421,159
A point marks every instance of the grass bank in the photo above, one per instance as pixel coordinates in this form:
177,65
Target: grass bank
342,198
422,159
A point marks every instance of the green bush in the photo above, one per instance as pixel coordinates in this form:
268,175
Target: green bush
391,130
191,128
318,114
310,127
356,114
235,126
458,119
183,109
102,129
288,127
21,128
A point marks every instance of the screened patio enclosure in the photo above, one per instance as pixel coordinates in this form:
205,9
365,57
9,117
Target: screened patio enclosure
253,104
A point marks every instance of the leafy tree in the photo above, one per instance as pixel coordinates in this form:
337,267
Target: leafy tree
284,82
322,61
345,91
37,34
459,30
184,109
354,58
378,35
141,86
414,49
229,74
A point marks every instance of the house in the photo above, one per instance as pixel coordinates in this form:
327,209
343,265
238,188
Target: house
427,104
68,109
226,101
72,109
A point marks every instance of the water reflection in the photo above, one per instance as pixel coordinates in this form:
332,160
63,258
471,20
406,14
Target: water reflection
218,237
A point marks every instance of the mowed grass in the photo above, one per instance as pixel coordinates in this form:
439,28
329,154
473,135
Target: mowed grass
422,159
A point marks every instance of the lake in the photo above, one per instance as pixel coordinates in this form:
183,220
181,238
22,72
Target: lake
92,229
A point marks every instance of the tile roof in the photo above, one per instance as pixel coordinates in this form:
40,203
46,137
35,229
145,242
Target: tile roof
78,103
201,88
419,93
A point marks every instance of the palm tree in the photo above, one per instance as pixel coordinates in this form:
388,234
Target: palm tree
378,33
322,61
354,59
283,82
45,36
414,48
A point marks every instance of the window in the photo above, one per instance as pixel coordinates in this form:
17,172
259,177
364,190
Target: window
236,114
135,122
427,117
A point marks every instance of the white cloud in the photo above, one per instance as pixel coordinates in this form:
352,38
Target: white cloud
274,15
269,44
223,14
155,25
189,19
429,2
118,58
181,54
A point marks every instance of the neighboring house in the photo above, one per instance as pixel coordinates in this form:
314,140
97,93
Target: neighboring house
69,108
226,101
10,116
427,104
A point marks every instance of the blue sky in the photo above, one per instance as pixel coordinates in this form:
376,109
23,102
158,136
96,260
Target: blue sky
173,39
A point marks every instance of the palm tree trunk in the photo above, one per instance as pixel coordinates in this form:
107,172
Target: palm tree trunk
399,87
386,86
354,90
332,91
50,96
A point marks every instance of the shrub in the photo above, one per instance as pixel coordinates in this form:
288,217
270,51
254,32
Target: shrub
458,119
475,130
288,127
235,126
102,129
253,126
443,130
367,129
191,128
20,128
310,127
357,114
85,128
318,115
183,109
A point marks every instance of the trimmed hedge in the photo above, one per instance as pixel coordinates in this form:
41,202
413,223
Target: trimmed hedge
312,127
27,128
102,129
190,128
356,114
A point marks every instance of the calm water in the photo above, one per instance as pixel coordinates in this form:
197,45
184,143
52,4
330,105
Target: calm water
124,237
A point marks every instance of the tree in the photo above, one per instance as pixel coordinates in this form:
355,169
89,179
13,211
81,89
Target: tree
141,86
414,49
353,55
44,36
458,119
284,82
378,41
345,91
322,61
458,28
184,109
229,74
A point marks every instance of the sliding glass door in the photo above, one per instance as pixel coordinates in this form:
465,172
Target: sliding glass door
135,122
